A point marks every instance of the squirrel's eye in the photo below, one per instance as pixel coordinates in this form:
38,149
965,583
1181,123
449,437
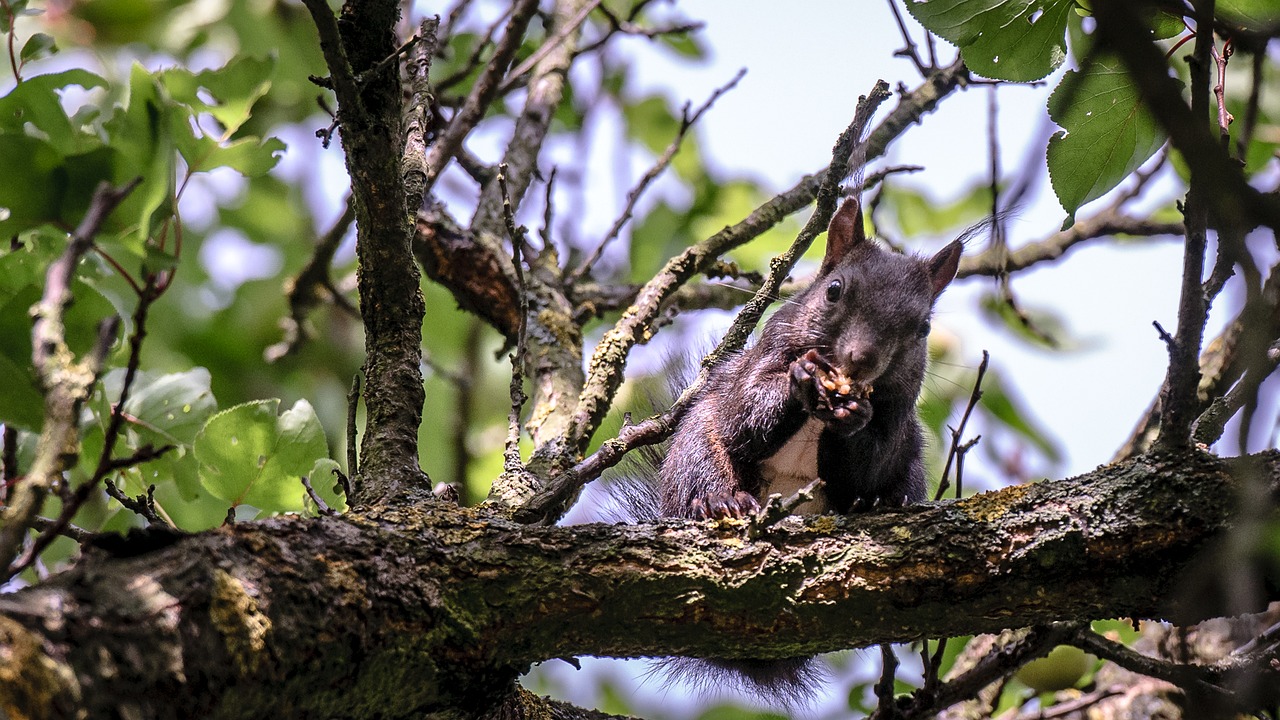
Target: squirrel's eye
925,327
833,290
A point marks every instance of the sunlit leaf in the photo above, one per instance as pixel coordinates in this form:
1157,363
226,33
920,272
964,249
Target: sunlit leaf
1107,133
174,407
1017,40
36,102
141,133
250,455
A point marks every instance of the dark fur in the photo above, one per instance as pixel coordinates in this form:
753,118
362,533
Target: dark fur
749,408
752,404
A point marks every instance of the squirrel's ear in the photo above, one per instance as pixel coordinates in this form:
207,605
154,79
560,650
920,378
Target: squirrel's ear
844,233
943,266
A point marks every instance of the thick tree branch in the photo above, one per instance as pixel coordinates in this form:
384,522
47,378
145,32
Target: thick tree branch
369,114
317,616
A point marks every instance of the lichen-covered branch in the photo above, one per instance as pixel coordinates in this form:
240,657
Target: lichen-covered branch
317,616
65,382
370,116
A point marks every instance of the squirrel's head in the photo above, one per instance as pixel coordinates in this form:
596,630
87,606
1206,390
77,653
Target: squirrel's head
869,308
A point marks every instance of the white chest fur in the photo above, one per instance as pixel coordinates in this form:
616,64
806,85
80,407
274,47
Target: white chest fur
794,466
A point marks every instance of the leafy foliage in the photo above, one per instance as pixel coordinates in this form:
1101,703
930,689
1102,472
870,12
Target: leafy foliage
1016,40
1107,133
249,455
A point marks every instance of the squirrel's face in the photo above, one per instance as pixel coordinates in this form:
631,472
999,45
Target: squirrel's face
875,311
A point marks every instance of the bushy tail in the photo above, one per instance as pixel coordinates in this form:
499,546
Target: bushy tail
787,683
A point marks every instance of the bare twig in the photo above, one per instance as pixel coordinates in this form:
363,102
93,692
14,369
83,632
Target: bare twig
454,16
311,286
776,508
482,93
413,168
562,33
1073,706
341,76
473,60
910,51
64,382
9,472
1107,223
511,453
144,505
958,431
686,122
885,707
1210,679
629,27
1220,90
353,404
321,505
47,525
1007,656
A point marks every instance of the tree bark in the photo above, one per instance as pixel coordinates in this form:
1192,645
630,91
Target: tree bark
401,611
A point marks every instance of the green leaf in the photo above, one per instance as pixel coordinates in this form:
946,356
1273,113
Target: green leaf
1256,15
326,484
1107,133
232,90
1000,405
686,44
141,134
1038,326
38,46
166,410
173,407
1016,40
29,203
21,402
249,156
249,455
917,214
651,121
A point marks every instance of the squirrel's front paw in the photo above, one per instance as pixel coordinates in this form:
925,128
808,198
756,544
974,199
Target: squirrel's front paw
717,505
829,395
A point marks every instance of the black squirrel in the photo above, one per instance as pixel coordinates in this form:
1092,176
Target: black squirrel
829,390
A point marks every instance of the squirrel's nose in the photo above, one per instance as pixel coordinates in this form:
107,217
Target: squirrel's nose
862,363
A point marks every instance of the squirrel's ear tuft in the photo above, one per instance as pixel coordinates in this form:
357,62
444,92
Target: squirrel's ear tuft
844,233
943,266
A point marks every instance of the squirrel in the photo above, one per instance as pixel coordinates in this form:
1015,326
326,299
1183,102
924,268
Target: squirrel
829,390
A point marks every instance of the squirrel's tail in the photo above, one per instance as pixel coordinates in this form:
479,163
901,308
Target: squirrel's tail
788,683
